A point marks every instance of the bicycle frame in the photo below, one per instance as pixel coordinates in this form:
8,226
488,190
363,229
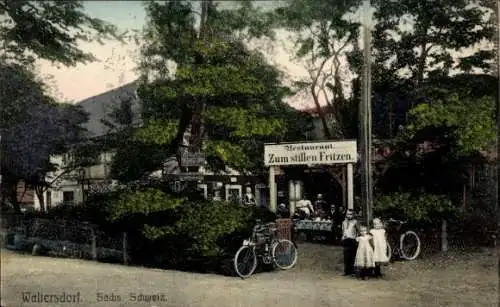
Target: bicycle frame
395,237
263,250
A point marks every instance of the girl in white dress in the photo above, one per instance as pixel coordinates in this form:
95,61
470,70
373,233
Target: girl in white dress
379,237
364,262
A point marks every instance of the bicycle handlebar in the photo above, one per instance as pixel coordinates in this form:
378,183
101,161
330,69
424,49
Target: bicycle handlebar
269,226
396,221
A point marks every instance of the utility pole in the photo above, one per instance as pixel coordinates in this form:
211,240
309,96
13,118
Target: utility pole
1,186
498,104
366,118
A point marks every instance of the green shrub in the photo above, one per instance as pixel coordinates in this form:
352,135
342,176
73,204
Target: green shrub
420,208
145,201
167,228
174,229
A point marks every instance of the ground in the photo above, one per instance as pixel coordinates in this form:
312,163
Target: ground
468,279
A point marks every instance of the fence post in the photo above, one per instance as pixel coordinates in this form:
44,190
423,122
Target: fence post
444,237
94,243
64,230
25,230
124,247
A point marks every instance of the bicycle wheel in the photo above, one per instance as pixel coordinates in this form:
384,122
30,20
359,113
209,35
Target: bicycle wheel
389,251
409,244
245,261
284,254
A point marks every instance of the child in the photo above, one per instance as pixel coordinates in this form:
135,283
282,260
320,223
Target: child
364,255
379,237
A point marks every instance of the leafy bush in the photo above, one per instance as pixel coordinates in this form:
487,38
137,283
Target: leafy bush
171,229
144,201
421,208
165,228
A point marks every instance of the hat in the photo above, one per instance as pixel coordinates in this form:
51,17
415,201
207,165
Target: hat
320,195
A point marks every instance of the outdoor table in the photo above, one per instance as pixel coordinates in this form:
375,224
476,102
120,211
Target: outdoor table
313,229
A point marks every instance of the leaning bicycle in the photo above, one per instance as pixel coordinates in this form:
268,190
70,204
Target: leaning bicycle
403,243
264,246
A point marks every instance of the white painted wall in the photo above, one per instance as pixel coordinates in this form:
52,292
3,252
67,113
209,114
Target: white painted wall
61,184
57,193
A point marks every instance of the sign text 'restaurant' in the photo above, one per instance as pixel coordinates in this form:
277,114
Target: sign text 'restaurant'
310,153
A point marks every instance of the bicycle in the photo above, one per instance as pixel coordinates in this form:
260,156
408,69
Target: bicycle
264,245
409,245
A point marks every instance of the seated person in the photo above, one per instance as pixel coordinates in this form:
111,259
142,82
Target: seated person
249,199
322,208
305,208
283,211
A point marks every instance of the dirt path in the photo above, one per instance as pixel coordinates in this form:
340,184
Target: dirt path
466,281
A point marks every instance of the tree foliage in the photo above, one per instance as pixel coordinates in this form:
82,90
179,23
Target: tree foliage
469,124
420,36
442,145
146,202
417,46
35,127
202,84
323,34
49,30
421,208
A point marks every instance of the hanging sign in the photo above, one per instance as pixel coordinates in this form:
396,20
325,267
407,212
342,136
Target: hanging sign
314,153
188,176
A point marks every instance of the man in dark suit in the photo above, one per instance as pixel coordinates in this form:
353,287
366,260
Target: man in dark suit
349,234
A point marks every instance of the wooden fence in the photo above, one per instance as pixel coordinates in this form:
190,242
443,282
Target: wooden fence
63,237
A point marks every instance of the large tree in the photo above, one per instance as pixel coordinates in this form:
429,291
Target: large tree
201,80
33,126
417,44
323,33
444,143
422,36
49,30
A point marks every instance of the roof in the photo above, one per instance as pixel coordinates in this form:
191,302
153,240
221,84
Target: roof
100,106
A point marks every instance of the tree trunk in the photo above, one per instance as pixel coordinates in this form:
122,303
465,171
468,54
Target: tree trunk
341,179
199,107
464,197
12,196
184,121
41,200
197,125
321,114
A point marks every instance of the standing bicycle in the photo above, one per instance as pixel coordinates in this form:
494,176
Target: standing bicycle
264,246
403,243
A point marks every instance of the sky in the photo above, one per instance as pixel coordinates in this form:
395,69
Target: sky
115,65
116,61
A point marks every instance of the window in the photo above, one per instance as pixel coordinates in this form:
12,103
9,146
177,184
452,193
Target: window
233,192
234,195
68,197
67,158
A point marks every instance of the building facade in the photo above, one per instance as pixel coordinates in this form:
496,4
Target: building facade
72,187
